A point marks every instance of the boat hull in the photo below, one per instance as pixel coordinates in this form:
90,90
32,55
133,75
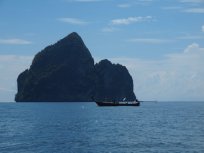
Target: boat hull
117,104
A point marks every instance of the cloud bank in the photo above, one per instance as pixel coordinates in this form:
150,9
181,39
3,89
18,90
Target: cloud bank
74,21
14,41
176,77
125,5
88,0
130,20
11,66
149,40
194,10
192,1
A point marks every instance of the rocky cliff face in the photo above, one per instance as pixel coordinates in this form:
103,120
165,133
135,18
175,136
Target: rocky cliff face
66,72
113,83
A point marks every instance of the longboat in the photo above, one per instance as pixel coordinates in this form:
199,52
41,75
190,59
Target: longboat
122,103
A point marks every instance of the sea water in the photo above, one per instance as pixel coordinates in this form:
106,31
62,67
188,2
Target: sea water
163,127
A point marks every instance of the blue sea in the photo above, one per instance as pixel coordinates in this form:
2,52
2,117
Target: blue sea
163,127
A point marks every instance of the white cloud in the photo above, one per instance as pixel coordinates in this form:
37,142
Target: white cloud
192,1
74,21
126,5
11,66
145,0
15,41
194,48
188,37
149,40
202,28
194,10
109,29
88,0
172,8
176,77
130,20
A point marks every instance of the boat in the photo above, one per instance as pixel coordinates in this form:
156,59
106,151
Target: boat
122,103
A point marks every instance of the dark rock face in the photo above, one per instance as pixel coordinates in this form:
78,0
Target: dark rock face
65,72
114,82
61,72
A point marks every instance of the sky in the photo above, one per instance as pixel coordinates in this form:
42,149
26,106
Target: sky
161,42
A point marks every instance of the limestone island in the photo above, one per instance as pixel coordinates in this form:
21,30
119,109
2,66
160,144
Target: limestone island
65,72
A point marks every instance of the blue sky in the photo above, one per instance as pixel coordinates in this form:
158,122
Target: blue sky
160,41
